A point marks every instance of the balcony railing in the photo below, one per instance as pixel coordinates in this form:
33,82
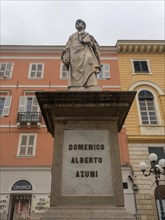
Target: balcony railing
29,117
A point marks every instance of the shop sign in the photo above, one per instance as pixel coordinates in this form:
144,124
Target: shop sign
40,203
22,185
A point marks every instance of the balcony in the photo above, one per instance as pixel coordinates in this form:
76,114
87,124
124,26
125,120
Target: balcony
29,119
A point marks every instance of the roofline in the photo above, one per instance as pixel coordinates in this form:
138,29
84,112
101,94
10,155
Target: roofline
45,48
122,46
140,46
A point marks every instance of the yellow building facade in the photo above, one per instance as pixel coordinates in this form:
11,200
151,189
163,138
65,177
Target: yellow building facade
142,69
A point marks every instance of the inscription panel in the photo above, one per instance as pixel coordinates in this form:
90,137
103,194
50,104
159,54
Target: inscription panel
86,167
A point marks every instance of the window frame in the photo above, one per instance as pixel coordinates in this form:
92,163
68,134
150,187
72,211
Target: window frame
156,106
103,66
158,151
11,70
30,71
27,146
148,112
61,72
141,72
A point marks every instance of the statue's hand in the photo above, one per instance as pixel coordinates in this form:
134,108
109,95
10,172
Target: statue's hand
86,39
66,61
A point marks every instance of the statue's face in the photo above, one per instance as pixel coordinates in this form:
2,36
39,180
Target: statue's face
80,25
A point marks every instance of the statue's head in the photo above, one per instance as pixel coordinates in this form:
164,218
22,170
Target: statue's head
80,25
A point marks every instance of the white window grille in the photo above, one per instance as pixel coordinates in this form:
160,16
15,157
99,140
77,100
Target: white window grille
63,72
27,145
36,70
147,107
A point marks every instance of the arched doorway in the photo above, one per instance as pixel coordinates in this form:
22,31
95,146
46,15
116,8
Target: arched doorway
20,201
161,196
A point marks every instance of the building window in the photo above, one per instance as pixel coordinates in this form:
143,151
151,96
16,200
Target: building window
6,70
125,185
140,66
147,108
159,151
27,145
28,104
36,70
63,72
105,71
5,103
28,111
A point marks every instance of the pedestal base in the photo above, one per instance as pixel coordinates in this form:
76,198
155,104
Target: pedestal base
72,213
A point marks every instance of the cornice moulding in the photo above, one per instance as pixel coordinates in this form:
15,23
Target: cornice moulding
46,49
141,46
146,139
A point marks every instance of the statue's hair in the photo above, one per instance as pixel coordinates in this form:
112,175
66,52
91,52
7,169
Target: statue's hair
79,21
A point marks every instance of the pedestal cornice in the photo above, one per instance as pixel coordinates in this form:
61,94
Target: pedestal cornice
64,105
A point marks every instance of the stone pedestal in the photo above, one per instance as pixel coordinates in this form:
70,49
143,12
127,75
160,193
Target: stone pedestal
86,171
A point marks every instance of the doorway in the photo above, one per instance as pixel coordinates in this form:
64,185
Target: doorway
160,195
20,207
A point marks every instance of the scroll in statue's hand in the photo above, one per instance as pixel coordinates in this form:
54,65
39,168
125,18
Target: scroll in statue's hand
86,39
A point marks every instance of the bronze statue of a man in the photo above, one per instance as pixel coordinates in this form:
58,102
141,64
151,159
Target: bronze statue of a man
81,57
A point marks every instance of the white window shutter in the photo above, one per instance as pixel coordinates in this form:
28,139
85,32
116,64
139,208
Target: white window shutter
107,71
35,104
8,70
22,102
63,72
7,105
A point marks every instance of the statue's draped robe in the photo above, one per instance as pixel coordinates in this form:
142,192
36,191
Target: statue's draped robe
83,63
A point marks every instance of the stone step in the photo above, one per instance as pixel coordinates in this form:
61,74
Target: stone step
87,213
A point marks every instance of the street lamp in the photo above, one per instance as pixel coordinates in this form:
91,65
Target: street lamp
156,170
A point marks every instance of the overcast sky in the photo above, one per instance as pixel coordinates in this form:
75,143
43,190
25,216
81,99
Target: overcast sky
51,22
